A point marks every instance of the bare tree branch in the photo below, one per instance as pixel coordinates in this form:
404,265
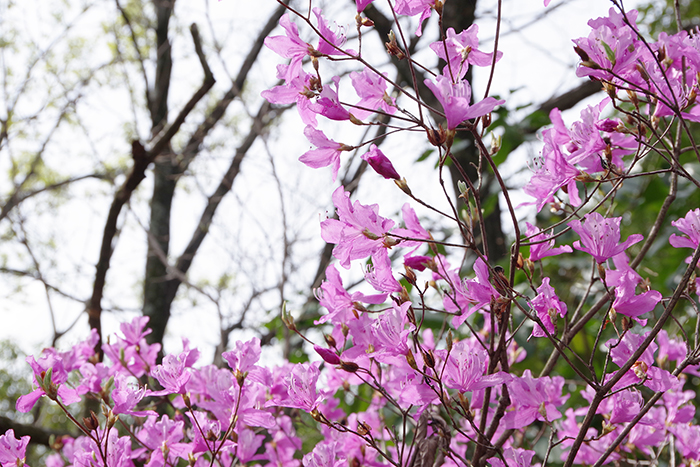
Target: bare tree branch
142,159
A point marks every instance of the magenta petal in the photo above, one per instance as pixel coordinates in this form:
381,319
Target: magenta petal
26,402
68,395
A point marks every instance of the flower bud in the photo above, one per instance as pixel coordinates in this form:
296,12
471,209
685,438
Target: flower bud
327,355
350,367
380,163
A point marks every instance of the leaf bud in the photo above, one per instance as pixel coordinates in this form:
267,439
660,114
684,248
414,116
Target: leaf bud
356,121
640,369
601,271
362,21
363,429
429,358
410,275
330,340
403,185
437,137
392,47
411,360
91,422
496,143
463,189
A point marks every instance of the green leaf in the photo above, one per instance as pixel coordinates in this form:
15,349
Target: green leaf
609,52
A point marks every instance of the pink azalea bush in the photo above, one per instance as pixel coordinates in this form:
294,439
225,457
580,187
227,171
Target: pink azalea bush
462,396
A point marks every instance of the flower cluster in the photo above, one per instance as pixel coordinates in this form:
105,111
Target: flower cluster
426,365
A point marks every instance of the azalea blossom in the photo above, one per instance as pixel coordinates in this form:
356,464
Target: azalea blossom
359,230
339,302
600,236
455,98
534,399
371,88
690,226
543,248
327,152
548,306
12,450
463,51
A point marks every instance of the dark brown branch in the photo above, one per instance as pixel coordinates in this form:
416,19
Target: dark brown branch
142,159
38,435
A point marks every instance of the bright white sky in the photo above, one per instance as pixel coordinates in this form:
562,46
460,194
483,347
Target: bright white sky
538,63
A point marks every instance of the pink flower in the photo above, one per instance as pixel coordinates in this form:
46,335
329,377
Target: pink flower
391,330
172,375
463,50
163,439
248,445
380,275
297,90
243,358
552,173
359,230
371,88
625,279
329,42
654,378
534,399
456,100
290,46
544,249
687,440
412,8
301,387
548,306
50,376
613,45
515,457
327,453
339,303
126,395
328,103
601,236
625,405
132,353
465,368
12,450
327,152
470,295
690,226
380,163
362,4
